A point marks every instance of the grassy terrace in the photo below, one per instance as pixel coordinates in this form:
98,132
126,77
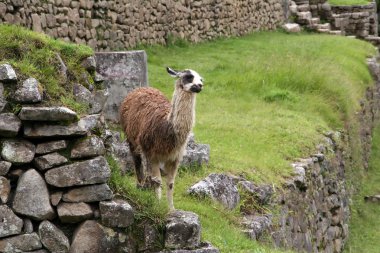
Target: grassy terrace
349,2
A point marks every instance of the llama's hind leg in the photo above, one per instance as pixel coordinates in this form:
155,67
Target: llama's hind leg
139,168
171,168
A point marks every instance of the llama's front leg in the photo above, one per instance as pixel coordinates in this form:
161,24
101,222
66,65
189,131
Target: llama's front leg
171,169
156,179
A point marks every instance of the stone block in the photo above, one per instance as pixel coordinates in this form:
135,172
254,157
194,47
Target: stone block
10,223
18,151
7,73
74,212
9,125
28,92
53,113
53,238
91,193
49,161
20,243
116,213
51,146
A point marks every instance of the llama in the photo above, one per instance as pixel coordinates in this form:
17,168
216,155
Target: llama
157,130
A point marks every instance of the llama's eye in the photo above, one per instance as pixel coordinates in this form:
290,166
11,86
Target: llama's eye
188,78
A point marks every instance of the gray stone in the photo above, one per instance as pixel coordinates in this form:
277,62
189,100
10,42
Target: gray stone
150,237
196,154
292,28
81,94
182,230
98,101
20,243
18,151
53,238
29,92
74,212
7,73
49,161
79,128
255,226
122,71
51,146
89,63
89,147
9,125
91,193
5,189
47,114
205,247
81,173
28,226
4,167
32,197
373,198
300,177
3,101
219,187
10,224
261,193
119,150
55,198
116,213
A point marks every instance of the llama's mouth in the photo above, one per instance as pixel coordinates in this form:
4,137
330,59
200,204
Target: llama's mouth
195,88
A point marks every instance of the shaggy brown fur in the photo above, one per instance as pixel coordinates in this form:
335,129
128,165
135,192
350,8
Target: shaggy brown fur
157,130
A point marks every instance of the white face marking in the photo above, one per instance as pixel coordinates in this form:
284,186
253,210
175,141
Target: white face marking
192,81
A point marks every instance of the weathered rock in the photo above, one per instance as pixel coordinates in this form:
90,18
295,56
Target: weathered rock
91,193
55,198
32,197
89,63
116,213
261,193
4,167
51,146
10,224
74,212
182,230
292,28
9,125
92,171
7,73
81,94
373,198
256,226
150,237
90,236
28,226
205,247
122,71
219,187
98,101
18,151
49,161
53,238
119,150
3,101
79,128
29,92
20,243
5,189
196,154
88,147
47,114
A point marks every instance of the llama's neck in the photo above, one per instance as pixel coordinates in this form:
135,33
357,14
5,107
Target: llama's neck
182,114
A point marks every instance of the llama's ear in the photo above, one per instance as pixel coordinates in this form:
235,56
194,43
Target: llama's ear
172,72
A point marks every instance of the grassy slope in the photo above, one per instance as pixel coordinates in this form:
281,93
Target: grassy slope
35,55
365,222
349,2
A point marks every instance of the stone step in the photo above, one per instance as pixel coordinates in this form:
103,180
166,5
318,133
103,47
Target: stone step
374,40
324,30
304,15
324,26
314,22
336,32
303,7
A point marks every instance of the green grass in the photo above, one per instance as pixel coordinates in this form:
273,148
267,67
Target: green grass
35,55
365,223
268,97
349,2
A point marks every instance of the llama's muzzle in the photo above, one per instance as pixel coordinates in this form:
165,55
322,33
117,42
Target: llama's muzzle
196,88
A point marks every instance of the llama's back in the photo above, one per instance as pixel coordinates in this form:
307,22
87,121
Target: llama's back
145,110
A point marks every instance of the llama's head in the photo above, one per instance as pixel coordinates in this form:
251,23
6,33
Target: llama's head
188,80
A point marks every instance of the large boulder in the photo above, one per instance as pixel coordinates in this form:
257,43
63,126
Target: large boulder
91,193
18,151
49,161
182,230
53,238
20,243
88,147
92,171
47,114
74,212
9,125
29,92
7,73
219,187
32,197
10,223
116,213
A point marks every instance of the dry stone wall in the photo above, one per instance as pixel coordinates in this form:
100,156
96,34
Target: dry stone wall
114,25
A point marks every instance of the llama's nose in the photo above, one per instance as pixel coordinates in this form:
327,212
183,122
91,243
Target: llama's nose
196,88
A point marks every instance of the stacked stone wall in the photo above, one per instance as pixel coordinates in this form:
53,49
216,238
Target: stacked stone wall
115,25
